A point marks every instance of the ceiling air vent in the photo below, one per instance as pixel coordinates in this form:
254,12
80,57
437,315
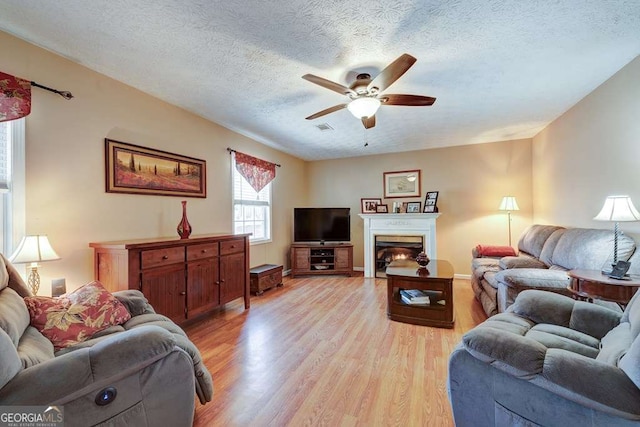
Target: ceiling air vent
324,127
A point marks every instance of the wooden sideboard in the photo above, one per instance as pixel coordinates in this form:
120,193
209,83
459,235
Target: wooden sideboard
181,278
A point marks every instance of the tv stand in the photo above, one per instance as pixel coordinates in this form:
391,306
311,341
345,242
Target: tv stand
326,258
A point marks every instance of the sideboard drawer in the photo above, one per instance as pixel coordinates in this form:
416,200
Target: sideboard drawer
165,256
231,246
206,250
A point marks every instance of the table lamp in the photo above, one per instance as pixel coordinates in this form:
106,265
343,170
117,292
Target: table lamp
617,209
509,204
34,249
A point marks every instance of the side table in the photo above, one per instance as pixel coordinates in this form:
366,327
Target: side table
589,284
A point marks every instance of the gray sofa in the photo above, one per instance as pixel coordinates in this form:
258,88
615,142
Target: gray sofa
546,253
550,361
149,361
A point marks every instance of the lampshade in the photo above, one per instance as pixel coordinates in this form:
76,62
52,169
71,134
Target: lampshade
34,249
509,204
618,209
363,107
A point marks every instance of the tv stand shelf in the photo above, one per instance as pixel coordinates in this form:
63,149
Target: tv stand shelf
321,259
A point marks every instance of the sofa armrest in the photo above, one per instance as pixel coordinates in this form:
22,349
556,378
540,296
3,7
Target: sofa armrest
134,301
87,370
591,383
533,278
509,262
517,354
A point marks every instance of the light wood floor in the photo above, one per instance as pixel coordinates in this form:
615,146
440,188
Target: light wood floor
321,351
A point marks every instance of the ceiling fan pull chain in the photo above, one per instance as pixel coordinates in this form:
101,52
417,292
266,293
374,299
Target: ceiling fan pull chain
364,132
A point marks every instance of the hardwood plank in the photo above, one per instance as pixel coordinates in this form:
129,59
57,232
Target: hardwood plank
321,351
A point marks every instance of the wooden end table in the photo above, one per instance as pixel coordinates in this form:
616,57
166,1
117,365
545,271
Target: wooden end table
589,284
437,278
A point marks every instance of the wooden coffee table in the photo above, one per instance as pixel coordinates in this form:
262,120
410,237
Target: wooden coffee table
436,278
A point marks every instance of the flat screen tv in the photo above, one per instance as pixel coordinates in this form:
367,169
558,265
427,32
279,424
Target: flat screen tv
321,225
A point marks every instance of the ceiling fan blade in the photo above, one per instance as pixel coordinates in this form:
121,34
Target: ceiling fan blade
369,122
328,84
392,73
411,100
327,111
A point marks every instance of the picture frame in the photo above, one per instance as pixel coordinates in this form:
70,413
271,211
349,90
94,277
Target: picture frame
134,169
401,184
369,205
430,202
413,207
382,208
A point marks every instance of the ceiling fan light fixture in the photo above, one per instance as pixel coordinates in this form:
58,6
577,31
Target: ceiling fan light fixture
364,107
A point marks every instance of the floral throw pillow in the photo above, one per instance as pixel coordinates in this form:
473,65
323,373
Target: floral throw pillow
76,316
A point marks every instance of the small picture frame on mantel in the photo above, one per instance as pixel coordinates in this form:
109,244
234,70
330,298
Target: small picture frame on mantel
430,202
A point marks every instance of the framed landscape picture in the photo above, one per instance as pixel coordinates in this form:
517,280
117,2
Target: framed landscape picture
139,170
413,207
401,184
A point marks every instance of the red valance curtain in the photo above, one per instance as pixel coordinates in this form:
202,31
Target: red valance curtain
15,97
257,172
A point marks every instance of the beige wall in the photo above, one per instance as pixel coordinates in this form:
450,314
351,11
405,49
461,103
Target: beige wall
471,180
65,165
590,152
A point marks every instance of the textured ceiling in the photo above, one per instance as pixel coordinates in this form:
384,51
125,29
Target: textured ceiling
499,69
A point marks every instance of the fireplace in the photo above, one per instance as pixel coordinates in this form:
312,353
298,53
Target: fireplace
422,225
391,248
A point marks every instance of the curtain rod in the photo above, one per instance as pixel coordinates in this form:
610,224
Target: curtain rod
63,93
231,150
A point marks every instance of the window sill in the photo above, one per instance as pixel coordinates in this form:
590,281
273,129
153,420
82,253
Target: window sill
259,242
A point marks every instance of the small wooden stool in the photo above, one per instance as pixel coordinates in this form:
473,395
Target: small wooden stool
265,276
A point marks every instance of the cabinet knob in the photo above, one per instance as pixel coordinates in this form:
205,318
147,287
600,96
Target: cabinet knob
204,251
218,282
183,293
221,280
165,257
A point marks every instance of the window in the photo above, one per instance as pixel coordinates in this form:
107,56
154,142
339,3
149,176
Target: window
12,192
251,210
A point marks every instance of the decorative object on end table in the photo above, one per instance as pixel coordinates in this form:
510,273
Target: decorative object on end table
422,259
382,208
34,249
413,207
402,184
184,228
139,170
617,209
509,204
430,202
369,205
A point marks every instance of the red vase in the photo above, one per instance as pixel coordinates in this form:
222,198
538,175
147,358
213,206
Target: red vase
184,228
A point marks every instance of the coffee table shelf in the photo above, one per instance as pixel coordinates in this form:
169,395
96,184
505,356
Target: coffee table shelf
437,277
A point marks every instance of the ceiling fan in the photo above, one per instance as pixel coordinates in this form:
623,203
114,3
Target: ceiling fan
365,95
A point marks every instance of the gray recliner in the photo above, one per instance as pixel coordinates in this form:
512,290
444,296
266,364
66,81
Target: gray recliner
551,361
153,367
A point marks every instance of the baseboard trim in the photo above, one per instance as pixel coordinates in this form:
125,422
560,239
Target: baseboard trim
462,276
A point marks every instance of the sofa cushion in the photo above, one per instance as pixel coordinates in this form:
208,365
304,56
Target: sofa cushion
10,365
589,248
490,278
14,317
523,261
76,316
553,336
615,344
630,362
34,348
549,246
533,278
533,239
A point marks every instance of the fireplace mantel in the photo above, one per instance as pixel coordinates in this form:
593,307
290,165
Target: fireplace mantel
406,224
